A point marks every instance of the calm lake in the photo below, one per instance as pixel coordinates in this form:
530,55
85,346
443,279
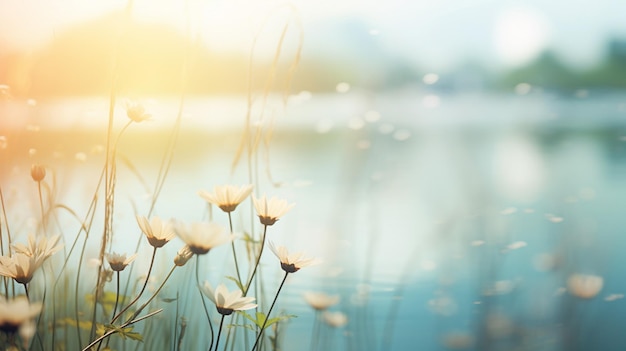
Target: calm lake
444,221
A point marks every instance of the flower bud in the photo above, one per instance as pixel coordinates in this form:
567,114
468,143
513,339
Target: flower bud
183,255
38,172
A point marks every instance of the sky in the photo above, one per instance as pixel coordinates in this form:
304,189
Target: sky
435,33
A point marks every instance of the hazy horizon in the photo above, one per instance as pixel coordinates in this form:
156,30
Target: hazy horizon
436,35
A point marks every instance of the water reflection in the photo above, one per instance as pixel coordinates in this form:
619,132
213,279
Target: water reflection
476,222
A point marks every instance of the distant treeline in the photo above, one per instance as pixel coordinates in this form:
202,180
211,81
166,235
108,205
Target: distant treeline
149,59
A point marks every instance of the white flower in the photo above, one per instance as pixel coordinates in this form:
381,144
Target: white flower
202,237
269,211
227,302
119,262
584,286
42,247
20,266
320,301
335,319
136,112
291,263
16,314
226,197
157,231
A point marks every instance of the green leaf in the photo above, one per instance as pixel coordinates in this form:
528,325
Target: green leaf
107,300
239,285
260,318
124,332
85,325
248,238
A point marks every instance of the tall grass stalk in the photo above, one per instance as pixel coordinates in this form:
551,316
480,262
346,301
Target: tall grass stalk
109,166
8,231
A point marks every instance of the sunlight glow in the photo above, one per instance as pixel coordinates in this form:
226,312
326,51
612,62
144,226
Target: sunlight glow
520,34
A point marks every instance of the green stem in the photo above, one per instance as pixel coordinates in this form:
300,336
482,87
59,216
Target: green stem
113,331
232,243
43,216
206,310
217,342
256,265
117,295
155,293
267,317
26,290
145,284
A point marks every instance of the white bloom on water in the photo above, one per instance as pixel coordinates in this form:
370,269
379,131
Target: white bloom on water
585,286
202,236
335,319
20,266
226,197
614,297
269,211
320,301
516,245
228,301
16,314
157,231
291,263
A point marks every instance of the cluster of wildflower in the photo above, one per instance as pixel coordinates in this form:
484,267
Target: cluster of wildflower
26,259
17,314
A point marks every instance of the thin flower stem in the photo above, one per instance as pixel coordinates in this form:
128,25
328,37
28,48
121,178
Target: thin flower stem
232,243
155,293
43,216
267,317
219,332
132,319
26,290
117,295
111,332
228,335
28,297
234,334
145,284
206,310
256,265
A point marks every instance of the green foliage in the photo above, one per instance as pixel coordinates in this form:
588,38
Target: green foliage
123,332
260,318
85,325
249,239
107,300
239,284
